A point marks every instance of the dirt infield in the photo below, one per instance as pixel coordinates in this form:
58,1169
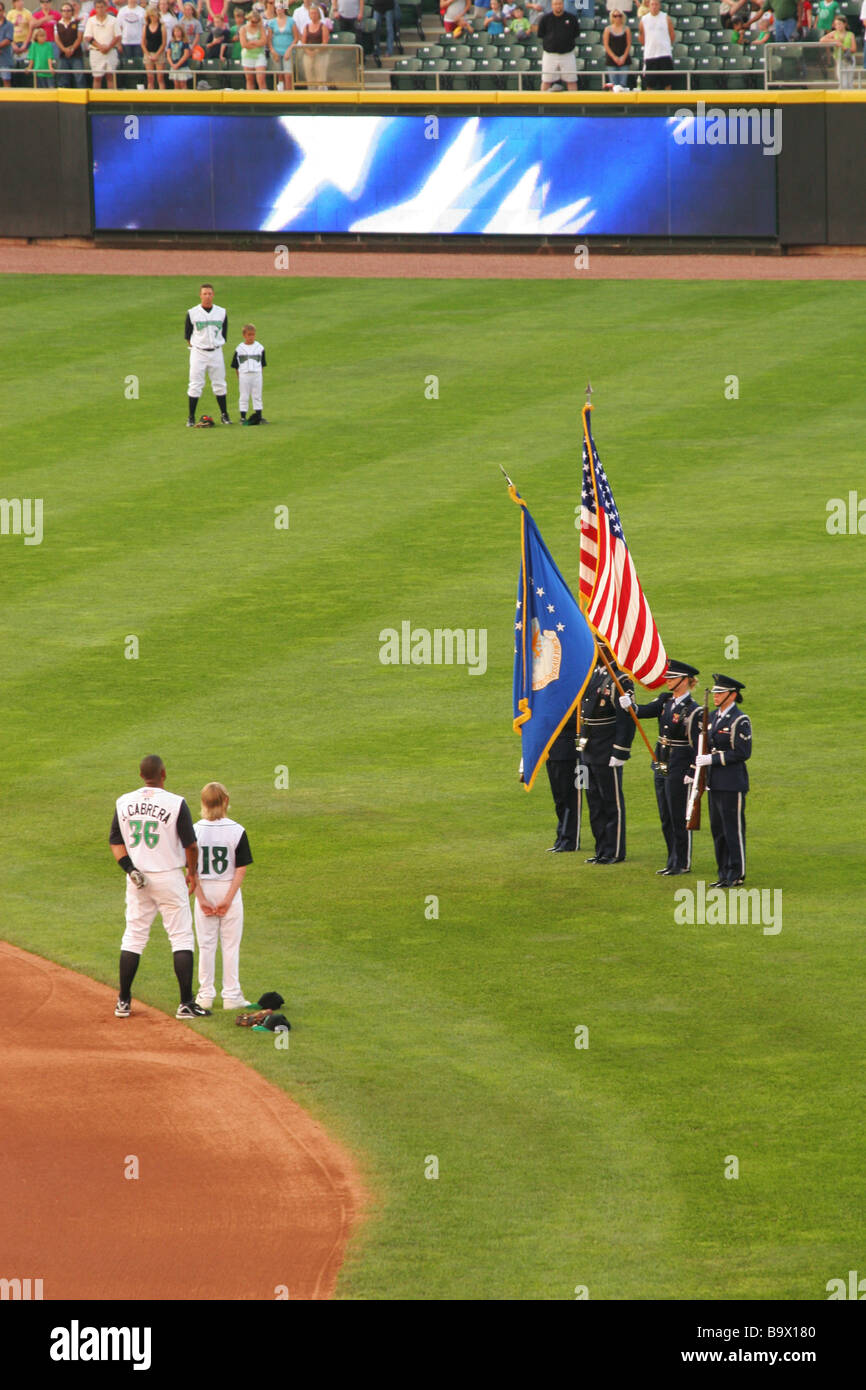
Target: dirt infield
239,1191
85,259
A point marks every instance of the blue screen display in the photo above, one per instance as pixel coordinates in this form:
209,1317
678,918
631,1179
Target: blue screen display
496,175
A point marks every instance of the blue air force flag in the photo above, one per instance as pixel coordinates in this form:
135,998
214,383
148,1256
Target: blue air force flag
554,649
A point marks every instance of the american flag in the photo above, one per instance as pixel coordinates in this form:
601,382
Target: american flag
610,590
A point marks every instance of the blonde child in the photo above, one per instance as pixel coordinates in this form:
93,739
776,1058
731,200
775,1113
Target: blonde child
223,857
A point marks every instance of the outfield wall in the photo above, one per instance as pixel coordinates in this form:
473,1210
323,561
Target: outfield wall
494,165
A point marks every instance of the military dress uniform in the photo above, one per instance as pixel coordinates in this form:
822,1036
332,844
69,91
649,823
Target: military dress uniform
561,770
606,731
677,717
729,744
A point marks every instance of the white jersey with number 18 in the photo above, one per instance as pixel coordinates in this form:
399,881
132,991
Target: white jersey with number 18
222,847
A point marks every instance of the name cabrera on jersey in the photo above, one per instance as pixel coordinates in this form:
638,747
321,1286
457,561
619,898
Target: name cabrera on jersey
222,847
249,357
155,826
206,328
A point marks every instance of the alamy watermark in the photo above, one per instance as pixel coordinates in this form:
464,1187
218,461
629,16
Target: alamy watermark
444,646
77,1343
720,907
22,516
733,125
21,1290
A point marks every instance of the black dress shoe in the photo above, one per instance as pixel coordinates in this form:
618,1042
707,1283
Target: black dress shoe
663,871
719,883
593,859
602,860
564,849
675,873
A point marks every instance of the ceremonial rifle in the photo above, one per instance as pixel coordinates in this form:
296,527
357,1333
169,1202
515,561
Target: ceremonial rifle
696,791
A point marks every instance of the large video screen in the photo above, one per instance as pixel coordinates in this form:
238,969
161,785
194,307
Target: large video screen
492,175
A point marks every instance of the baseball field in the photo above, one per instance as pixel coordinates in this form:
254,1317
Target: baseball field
435,961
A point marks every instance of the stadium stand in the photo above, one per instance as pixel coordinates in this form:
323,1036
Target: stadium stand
708,52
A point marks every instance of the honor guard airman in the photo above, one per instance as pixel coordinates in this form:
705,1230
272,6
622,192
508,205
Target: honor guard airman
562,772
606,734
729,746
678,713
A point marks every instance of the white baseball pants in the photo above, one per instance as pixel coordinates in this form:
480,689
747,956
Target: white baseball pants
163,892
225,932
203,364
250,385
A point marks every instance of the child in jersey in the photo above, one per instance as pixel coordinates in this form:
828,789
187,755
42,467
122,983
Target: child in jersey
249,361
223,856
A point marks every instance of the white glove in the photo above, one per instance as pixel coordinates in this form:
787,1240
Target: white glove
616,762
703,759
626,701
688,781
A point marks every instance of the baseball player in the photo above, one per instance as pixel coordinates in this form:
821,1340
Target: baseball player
223,857
248,362
156,827
205,333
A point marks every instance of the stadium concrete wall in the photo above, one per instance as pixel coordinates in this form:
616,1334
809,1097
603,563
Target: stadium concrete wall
47,178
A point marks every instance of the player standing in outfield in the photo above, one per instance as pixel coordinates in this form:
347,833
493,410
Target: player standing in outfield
223,857
249,361
156,827
205,332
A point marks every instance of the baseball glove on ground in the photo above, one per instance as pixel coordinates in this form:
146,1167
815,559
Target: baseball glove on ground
205,422
250,1020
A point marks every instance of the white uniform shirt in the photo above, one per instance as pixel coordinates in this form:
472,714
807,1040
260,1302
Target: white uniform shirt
222,847
155,825
249,358
130,23
208,326
657,36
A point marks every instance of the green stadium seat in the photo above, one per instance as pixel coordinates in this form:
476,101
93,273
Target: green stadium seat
342,37
700,36
488,65
681,50
433,50
461,65
407,65
456,50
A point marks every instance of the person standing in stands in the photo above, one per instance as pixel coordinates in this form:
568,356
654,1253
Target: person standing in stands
68,36
6,33
103,35
558,33
657,35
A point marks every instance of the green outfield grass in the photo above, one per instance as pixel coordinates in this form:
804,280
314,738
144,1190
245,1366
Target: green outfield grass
455,1037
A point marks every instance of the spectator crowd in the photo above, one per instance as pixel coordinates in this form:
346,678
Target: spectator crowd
58,46
76,41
